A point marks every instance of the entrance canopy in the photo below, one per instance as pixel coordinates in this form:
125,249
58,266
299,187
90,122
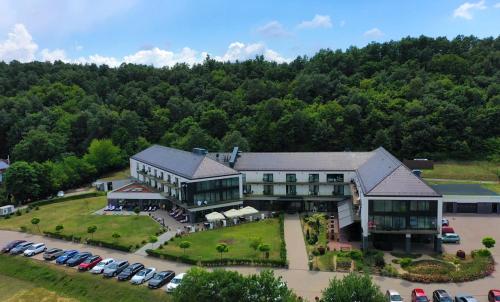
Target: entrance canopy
214,216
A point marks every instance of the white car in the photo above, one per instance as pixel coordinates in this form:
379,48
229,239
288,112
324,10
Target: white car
36,248
60,194
99,268
174,283
393,296
143,275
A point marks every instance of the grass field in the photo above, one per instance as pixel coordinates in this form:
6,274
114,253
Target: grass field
473,170
117,175
76,216
238,238
24,279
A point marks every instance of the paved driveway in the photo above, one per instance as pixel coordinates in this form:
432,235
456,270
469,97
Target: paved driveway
307,284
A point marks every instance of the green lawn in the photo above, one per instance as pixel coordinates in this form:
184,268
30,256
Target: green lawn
23,279
76,216
117,175
238,238
472,170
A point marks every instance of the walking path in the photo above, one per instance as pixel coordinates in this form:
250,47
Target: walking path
295,245
305,283
161,239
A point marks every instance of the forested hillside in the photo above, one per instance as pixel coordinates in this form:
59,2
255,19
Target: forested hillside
417,97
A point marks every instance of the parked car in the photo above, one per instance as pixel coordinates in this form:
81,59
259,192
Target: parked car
60,194
130,271
161,278
143,275
89,263
20,248
393,296
451,238
36,248
419,295
494,295
52,254
99,268
465,298
445,222
68,254
175,282
12,245
78,258
447,229
441,295
115,268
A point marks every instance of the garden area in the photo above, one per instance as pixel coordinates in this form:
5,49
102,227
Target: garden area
74,220
252,243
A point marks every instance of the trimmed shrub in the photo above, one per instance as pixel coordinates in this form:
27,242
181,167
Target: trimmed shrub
460,254
389,271
405,262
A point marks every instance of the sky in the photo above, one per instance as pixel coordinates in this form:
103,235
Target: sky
164,32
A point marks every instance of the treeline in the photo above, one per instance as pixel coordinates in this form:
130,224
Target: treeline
417,97
28,181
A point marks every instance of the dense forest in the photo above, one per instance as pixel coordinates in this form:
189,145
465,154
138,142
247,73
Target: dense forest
425,97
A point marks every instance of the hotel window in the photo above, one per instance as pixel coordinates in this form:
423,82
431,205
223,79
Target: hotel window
268,177
335,177
291,178
313,190
419,205
268,190
338,190
291,190
313,177
137,166
248,189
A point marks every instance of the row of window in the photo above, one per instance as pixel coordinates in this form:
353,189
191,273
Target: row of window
216,196
313,177
291,190
400,206
217,184
395,223
157,173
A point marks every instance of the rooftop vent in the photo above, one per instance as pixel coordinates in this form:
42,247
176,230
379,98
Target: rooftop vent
234,156
200,151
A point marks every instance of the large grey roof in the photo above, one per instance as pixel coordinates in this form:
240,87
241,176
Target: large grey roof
384,175
298,161
183,163
463,189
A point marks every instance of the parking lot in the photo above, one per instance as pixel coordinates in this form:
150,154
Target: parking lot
472,228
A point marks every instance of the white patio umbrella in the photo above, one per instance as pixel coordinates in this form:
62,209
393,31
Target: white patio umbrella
214,216
232,213
248,211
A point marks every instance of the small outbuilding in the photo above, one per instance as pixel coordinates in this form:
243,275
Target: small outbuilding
468,198
6,210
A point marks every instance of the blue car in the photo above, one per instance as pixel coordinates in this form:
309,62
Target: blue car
66,256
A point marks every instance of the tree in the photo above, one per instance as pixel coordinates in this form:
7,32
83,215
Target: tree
353,287
39,145
255,242
264,249
185,245
222,248
116,236
235,139
91,230
104,155
228,286
59,228
137,211
153,239
36,221
21,181
488,242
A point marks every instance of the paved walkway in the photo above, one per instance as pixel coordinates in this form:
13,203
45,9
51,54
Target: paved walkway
295,245
161,239
307,284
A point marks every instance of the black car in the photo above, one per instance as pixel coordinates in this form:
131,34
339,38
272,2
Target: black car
52,254
20,248
441,295
78,258
114,268
161,278
12,245
130,271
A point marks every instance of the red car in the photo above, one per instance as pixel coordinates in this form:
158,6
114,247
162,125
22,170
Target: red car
418,295
494,295
89,263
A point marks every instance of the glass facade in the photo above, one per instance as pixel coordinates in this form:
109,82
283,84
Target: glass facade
211,191
397,215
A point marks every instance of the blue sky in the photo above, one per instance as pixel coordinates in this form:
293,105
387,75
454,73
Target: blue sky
166,32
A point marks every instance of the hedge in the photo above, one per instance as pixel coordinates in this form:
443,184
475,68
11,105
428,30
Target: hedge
218,262
282,235
61,199
109,245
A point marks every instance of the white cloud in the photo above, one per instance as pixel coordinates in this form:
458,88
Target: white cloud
342,23
98,60
78,47
273,29
240,51
466,9
18,46
497,5
373,33
318,21
54,55
160,57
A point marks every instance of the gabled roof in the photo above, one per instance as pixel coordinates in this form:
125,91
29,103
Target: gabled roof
3,164
384,175
183,163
